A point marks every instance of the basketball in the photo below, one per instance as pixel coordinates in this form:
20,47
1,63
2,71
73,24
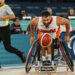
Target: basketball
45,40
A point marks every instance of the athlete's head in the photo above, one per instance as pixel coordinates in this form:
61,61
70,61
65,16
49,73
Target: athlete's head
2,2
46,18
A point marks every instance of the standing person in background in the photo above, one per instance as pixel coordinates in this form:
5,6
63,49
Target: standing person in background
5,14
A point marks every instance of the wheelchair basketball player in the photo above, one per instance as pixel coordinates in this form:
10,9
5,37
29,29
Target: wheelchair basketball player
48,29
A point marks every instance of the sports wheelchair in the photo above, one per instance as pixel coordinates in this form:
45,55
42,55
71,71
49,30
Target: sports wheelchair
62,56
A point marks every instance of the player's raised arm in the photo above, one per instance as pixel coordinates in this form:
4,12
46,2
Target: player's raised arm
64,21
33,25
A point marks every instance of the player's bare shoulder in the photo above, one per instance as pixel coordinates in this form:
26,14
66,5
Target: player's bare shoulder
61,20
35,21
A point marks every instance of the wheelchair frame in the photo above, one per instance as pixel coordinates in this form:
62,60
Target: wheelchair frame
63,51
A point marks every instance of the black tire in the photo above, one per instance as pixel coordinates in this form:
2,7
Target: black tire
31,56
66,55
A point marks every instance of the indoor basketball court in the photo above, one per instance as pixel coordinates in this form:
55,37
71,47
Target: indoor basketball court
21,71
37,37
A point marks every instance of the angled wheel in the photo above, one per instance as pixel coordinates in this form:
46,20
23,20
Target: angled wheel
31,56
66,55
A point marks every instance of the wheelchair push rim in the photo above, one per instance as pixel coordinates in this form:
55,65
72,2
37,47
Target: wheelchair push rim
31,57
67,58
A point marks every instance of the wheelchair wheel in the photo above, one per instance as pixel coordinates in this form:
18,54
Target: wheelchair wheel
66,55
31,56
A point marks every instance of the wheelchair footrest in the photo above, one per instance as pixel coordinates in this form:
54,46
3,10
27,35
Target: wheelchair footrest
46,68
47,64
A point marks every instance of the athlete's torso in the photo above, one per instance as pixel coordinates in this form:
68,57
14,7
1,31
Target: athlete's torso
52,29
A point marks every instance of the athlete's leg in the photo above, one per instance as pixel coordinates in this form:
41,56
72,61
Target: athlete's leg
43,53
49,52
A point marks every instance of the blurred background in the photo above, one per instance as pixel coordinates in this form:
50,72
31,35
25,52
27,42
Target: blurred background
44,0
25,11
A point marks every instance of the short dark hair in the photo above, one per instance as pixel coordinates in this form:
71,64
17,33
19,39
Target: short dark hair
16,19
45,13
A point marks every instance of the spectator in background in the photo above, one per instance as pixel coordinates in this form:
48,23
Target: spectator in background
15,27
50,11
22,14
71,12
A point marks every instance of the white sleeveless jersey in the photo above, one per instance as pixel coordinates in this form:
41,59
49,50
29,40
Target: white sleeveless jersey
53,28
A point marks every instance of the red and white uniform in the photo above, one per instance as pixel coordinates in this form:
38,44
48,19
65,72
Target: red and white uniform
53,30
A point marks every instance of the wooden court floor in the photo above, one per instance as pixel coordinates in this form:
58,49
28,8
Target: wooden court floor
21,71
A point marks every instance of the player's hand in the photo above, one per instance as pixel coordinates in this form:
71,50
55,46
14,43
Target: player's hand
67,38
31,39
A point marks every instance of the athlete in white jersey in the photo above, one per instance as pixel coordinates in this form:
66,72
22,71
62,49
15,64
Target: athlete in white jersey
52,29
49,24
